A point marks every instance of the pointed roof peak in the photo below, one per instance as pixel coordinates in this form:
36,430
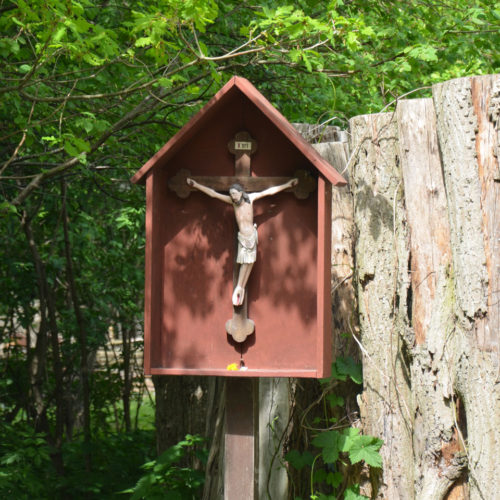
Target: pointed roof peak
272,114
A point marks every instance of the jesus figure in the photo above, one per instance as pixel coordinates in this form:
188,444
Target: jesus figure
247,230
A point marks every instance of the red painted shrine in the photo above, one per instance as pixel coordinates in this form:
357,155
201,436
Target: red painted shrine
191,325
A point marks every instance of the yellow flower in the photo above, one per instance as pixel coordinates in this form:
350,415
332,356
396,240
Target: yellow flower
232,366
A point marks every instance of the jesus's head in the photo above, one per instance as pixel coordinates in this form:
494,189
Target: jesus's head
238,195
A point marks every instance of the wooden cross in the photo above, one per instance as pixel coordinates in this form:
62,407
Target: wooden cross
242,146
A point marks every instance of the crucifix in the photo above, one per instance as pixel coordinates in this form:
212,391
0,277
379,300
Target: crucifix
243,190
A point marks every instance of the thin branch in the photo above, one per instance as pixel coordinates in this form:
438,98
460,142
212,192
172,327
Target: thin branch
21,142
89,96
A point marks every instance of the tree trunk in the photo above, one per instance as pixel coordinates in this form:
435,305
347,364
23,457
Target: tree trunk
181,408
127,335
435,432
467,112
82,332
426,186
37,360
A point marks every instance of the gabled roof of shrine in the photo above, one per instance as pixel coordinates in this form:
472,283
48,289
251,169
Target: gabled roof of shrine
242,85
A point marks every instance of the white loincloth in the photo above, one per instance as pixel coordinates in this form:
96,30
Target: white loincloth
247,248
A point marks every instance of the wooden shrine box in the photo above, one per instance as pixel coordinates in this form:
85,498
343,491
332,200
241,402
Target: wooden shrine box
190,246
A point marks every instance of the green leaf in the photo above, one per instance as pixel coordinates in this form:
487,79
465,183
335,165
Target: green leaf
93,59
82,145
347,438
25,68
422,52
307,62
165,82
335,400
352,41
299,460
143,41
58,35
347,366
322,496
71,149
74,146
329,442
203,48
366,448
319,476
334,479
352,493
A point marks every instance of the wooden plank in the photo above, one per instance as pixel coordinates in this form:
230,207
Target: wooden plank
249,373
324,310
240,472
153,280
148,274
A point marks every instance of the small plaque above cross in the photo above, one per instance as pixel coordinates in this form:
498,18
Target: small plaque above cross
242,147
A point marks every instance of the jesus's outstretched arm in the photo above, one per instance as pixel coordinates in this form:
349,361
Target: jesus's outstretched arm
208,191
273,190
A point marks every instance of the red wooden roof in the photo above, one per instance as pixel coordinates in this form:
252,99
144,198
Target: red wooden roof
209,110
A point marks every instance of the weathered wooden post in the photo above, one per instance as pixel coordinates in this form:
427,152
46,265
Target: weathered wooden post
221,296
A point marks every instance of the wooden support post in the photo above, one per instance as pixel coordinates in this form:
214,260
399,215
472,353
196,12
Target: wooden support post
241,440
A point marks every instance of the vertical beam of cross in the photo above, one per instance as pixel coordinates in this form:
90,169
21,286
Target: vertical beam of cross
242,146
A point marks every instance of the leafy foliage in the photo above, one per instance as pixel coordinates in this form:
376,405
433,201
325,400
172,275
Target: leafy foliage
166,479
27,470
358,447
343,369
24,469
341,448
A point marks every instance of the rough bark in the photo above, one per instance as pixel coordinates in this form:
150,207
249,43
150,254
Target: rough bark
436,449
344,320
381,274
181,405
467,112
440,336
